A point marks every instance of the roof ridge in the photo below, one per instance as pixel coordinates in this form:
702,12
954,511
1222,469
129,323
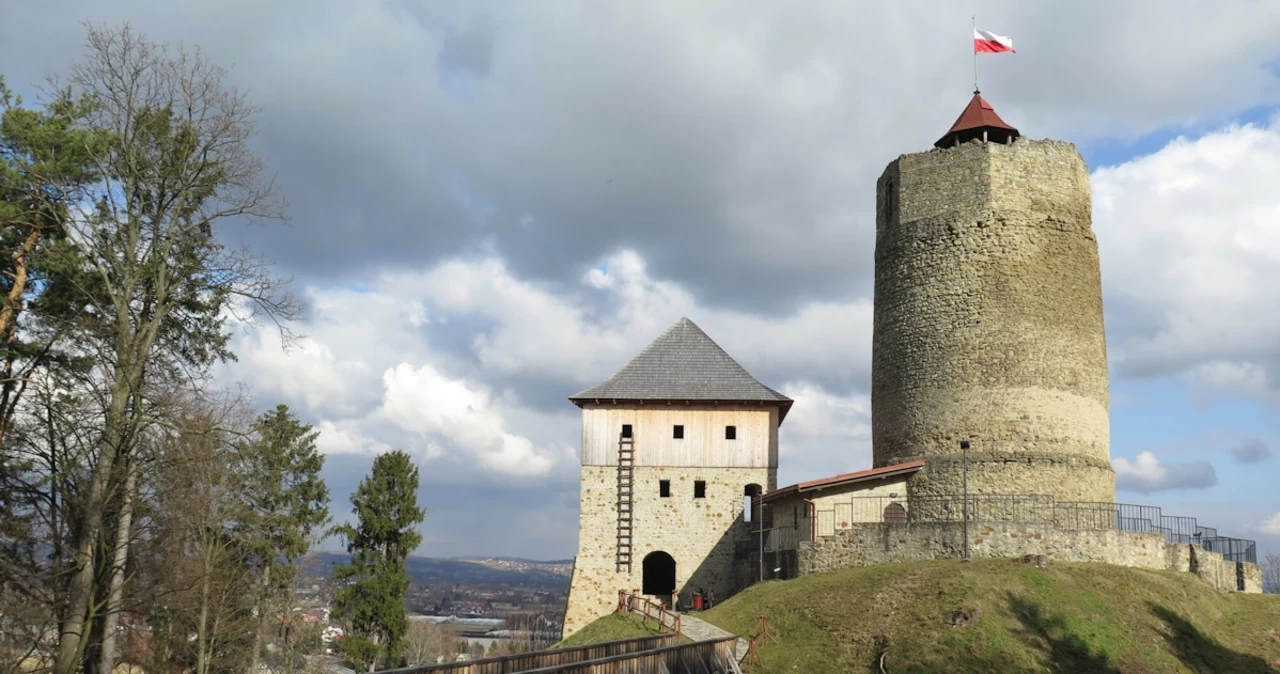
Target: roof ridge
683,363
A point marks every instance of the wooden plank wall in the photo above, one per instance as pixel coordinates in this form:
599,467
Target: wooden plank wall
704,444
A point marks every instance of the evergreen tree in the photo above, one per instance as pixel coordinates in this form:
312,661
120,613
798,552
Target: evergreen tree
44,167
372,587
285,502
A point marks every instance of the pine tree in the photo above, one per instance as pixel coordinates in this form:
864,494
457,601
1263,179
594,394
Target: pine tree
285,503
372,587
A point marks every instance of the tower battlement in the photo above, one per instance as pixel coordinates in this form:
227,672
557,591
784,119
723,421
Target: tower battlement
988,321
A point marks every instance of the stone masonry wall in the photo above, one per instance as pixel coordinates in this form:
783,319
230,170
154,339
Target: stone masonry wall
700,534
988,322
868,544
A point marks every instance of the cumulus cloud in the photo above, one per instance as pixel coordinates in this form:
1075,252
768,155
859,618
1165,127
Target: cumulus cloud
423,401
540,192
1253,451
474,364
1189,245
1146,474
1271,525
738,158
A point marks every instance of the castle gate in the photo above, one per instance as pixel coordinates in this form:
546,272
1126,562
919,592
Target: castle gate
659,575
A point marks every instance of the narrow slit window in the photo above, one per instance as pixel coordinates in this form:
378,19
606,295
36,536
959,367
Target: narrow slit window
677,432
626,431
730,432
699,489
664,488
890,200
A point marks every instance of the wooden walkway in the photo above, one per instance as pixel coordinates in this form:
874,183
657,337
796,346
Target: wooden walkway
660,654
538,660
698,629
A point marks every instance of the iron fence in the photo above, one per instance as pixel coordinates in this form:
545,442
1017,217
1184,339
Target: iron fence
1025,508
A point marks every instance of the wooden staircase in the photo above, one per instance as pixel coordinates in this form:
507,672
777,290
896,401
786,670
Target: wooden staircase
626,481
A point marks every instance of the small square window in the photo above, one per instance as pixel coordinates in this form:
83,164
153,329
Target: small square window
730,432
626,431
664,488
699,489
678,432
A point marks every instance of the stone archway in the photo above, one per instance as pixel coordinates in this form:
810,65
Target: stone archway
659,574
894,512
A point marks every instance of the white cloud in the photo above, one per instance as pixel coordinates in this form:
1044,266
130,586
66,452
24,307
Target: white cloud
311,373
1146,474
1189,247
1271,525
423,401
343,437
824,434
445,406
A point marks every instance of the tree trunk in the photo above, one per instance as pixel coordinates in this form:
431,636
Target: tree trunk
13,302
107,659
71,641
262,621
9,325
202,630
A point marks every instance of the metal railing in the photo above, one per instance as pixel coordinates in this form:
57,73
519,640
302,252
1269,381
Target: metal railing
1025,508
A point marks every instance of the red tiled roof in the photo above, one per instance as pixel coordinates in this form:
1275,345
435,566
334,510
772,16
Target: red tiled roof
846,478
978,114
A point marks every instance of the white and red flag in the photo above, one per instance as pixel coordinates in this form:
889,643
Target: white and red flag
985,42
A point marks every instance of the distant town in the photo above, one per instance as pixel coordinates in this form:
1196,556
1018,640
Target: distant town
461,608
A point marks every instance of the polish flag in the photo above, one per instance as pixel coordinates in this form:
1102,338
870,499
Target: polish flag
990,43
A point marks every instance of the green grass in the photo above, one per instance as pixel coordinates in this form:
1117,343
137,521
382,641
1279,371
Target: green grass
609,628
1071,618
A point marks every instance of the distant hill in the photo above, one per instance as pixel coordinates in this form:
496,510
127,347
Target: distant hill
468,571
519,560
998,616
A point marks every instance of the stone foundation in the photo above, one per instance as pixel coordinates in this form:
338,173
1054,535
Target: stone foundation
883,543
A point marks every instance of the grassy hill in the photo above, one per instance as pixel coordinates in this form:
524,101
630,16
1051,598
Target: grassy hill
1011,618
609,628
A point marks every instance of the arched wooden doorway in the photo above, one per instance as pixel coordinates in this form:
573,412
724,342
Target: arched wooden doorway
659,570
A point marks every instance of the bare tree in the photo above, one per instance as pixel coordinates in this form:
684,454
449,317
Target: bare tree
428,643
155,282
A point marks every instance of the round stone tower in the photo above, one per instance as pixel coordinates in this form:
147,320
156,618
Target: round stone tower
988,317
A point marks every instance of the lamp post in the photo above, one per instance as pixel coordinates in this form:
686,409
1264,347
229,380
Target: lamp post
964,449
760,532
760,524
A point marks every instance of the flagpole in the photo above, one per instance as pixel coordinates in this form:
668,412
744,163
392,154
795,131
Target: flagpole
975,53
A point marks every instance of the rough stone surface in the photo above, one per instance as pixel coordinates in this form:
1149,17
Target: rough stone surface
988,322
1252,577
700,534
884,543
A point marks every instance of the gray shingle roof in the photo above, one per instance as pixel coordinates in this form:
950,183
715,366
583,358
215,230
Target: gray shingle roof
683,364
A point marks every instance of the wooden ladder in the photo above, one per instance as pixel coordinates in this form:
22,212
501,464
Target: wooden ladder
626,481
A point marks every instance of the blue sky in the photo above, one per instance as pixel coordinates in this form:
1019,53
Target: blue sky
494,205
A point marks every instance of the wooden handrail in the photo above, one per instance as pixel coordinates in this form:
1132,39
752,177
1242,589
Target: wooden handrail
633,602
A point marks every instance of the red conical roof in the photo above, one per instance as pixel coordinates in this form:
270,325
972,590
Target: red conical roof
977,117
